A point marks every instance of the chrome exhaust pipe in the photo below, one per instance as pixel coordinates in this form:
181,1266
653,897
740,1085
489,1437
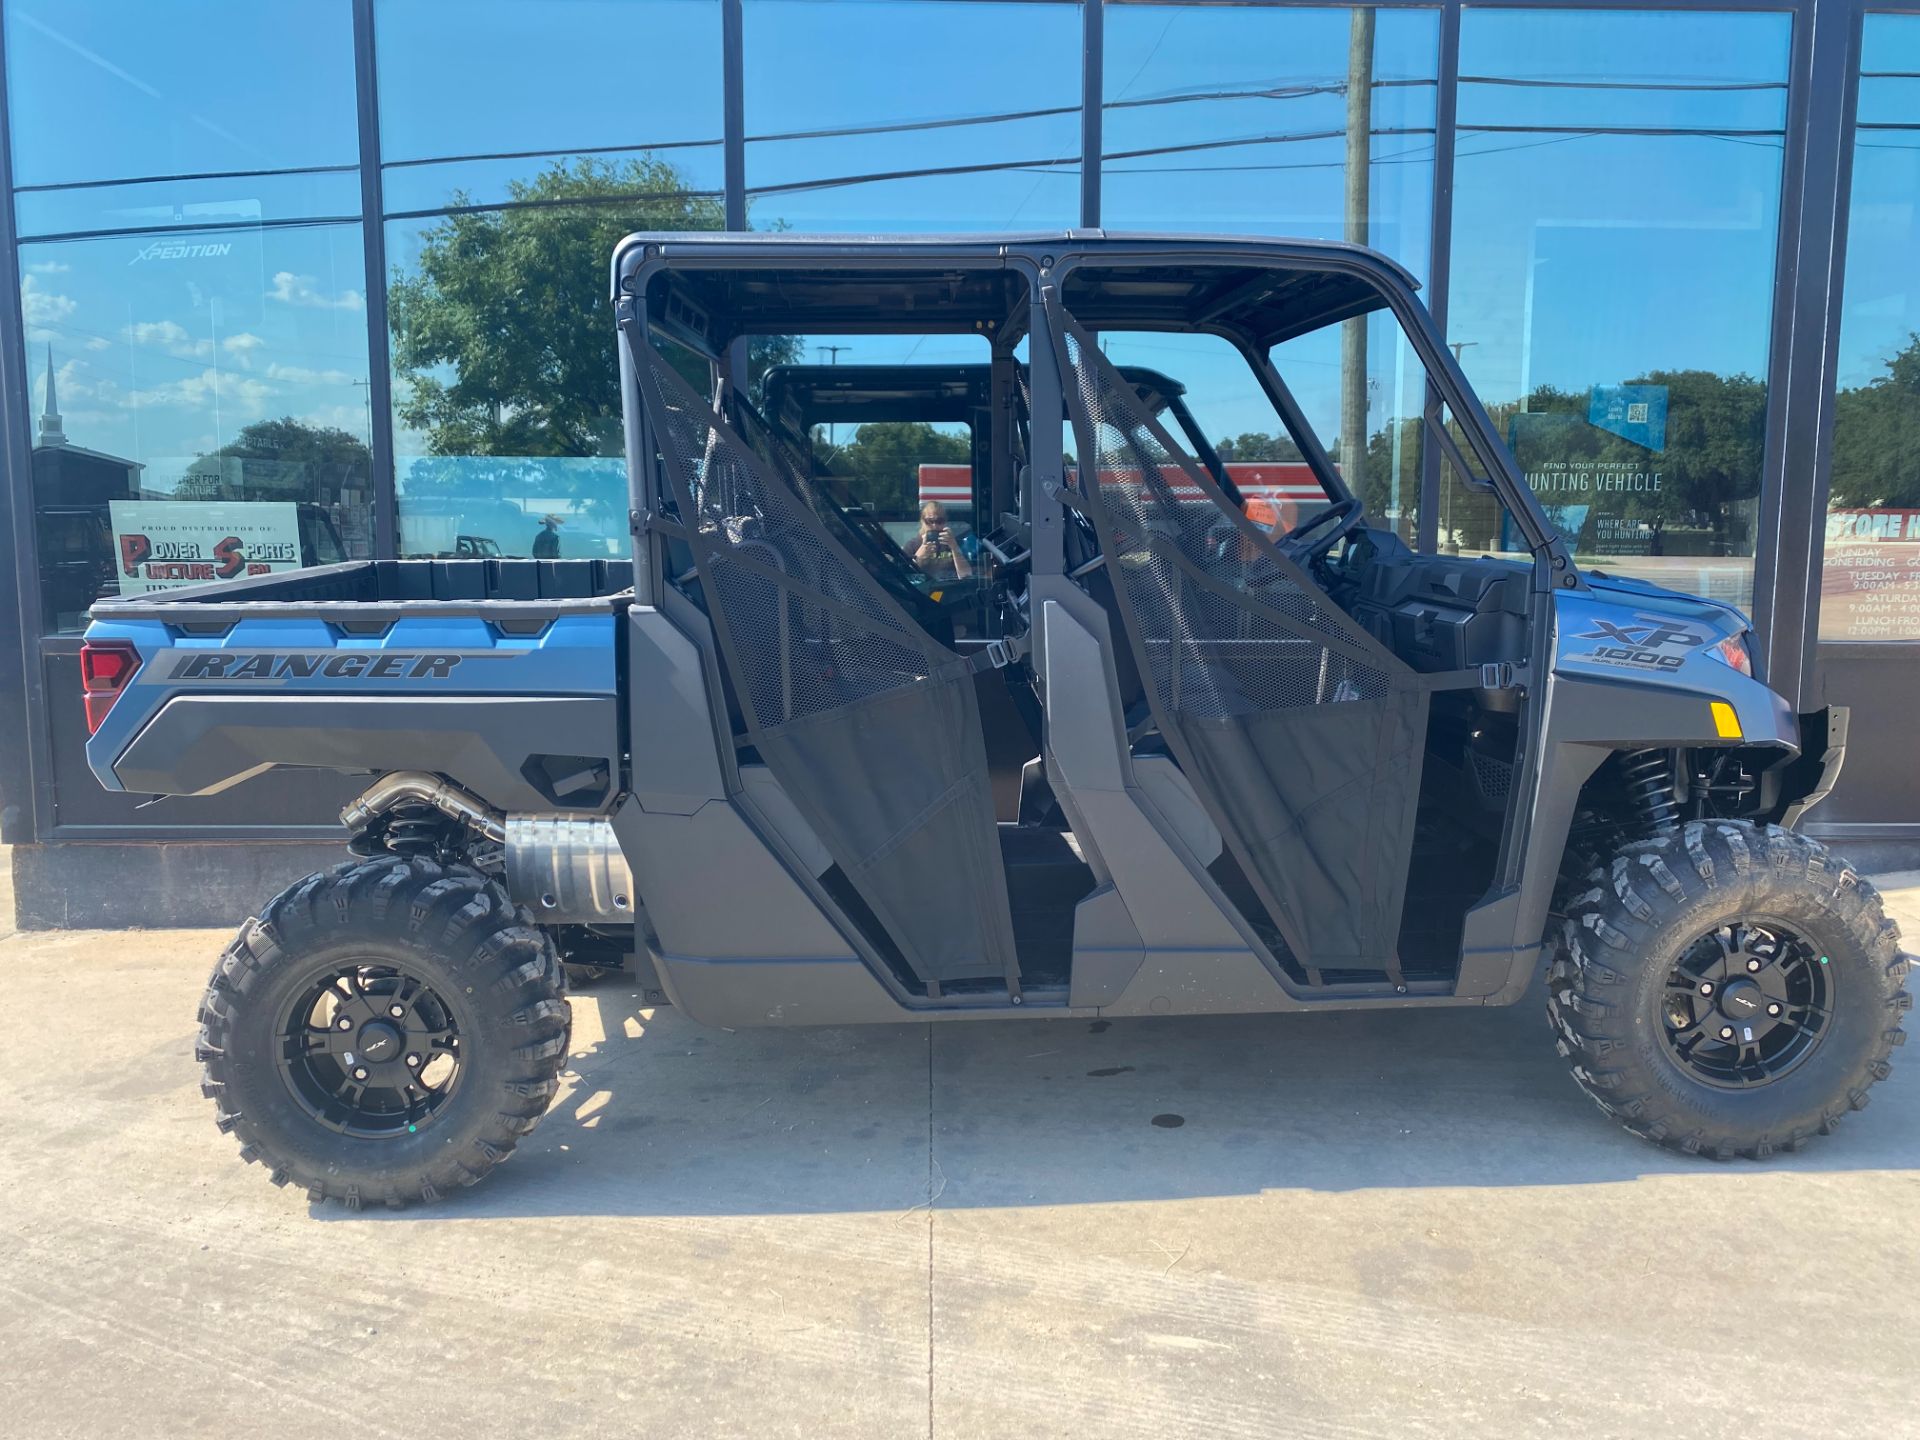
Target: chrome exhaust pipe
567,869
417,785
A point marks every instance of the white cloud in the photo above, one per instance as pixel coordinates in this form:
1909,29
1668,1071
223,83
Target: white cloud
97,342
49,267
43,310
241,347
170,336
84,399
305,291
301,375
237,394
156,332
350,418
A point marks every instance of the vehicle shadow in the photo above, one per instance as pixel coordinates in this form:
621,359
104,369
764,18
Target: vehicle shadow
659,1116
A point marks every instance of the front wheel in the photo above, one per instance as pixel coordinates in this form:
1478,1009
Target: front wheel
1726,989
385,1032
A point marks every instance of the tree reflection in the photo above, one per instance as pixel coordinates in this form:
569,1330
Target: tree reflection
1876,437
503,330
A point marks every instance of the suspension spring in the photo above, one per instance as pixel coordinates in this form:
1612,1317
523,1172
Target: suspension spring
1648,775
415,830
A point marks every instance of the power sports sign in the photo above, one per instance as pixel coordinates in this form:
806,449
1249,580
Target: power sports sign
164,544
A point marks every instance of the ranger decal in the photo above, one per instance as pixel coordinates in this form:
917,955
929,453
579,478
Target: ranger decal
325,664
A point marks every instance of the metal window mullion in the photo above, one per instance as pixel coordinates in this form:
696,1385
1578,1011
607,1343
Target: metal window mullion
1833,119
1797,368
1093,46
373,237
26,776
733,105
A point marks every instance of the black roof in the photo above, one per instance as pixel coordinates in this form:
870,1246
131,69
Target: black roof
1268,290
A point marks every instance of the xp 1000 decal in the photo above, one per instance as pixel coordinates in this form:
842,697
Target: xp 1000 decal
1647,642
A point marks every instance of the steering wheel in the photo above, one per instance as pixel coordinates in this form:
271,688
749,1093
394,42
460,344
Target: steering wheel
1338,520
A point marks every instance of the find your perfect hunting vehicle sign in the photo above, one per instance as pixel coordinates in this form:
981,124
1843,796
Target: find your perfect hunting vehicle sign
164,544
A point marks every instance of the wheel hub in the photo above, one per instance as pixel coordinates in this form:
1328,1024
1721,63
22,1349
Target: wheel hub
370,1051
1746,1003
1743,1002
380,1042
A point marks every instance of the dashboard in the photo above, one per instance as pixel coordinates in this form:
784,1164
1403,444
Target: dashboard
1436,612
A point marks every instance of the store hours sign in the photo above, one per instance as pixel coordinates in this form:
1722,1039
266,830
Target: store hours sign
163,544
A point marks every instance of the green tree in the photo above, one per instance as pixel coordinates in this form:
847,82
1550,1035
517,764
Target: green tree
881,463
503,333
1876,437
1257,445
284,459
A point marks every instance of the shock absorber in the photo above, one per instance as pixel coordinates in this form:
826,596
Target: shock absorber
1648,776
415,830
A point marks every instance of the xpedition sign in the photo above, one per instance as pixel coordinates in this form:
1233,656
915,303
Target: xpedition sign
163,544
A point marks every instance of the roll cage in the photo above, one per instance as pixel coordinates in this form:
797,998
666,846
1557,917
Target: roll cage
710,292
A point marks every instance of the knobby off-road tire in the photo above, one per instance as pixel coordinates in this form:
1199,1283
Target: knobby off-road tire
444,938
1611,986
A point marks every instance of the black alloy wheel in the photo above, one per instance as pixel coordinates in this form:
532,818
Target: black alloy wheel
370,1050
386,1032
1746,1003
1724,988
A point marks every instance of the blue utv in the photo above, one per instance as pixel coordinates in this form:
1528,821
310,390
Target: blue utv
1155,756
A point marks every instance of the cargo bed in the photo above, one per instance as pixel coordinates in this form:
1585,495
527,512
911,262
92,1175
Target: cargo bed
503,672
385,590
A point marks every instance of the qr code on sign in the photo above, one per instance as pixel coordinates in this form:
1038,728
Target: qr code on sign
1637,413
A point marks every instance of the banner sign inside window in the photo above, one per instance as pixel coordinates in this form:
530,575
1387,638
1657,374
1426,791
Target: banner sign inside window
1601,477
163,544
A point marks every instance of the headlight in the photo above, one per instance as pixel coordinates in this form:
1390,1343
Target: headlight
1734,651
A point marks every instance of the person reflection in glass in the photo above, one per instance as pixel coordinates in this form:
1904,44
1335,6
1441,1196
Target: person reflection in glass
935,550
546,544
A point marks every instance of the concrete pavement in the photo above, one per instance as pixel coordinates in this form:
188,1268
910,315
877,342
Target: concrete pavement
1359,1225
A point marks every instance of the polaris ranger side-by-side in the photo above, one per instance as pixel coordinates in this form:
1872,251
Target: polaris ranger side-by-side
1163,760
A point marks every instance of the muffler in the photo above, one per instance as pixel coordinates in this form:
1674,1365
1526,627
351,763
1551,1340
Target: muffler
566,869
569,870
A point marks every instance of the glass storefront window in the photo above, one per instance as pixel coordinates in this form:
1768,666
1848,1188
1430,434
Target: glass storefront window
484,101
198,416
192,286
1870,584
912,115
253,102
1616,207
1249,118
507,438
511,167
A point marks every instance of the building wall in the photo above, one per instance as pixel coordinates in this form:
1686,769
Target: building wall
336,272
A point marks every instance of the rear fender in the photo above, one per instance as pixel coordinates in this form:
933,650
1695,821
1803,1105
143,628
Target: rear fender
527,720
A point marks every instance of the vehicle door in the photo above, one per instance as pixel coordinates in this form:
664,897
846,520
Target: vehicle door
1301,735
867,721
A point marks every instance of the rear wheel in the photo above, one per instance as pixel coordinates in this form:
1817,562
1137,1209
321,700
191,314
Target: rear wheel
1724,989
385,1032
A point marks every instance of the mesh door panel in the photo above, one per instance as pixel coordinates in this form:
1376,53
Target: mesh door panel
1295,726
867,722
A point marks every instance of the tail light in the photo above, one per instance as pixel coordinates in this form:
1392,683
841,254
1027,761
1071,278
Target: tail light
105,668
